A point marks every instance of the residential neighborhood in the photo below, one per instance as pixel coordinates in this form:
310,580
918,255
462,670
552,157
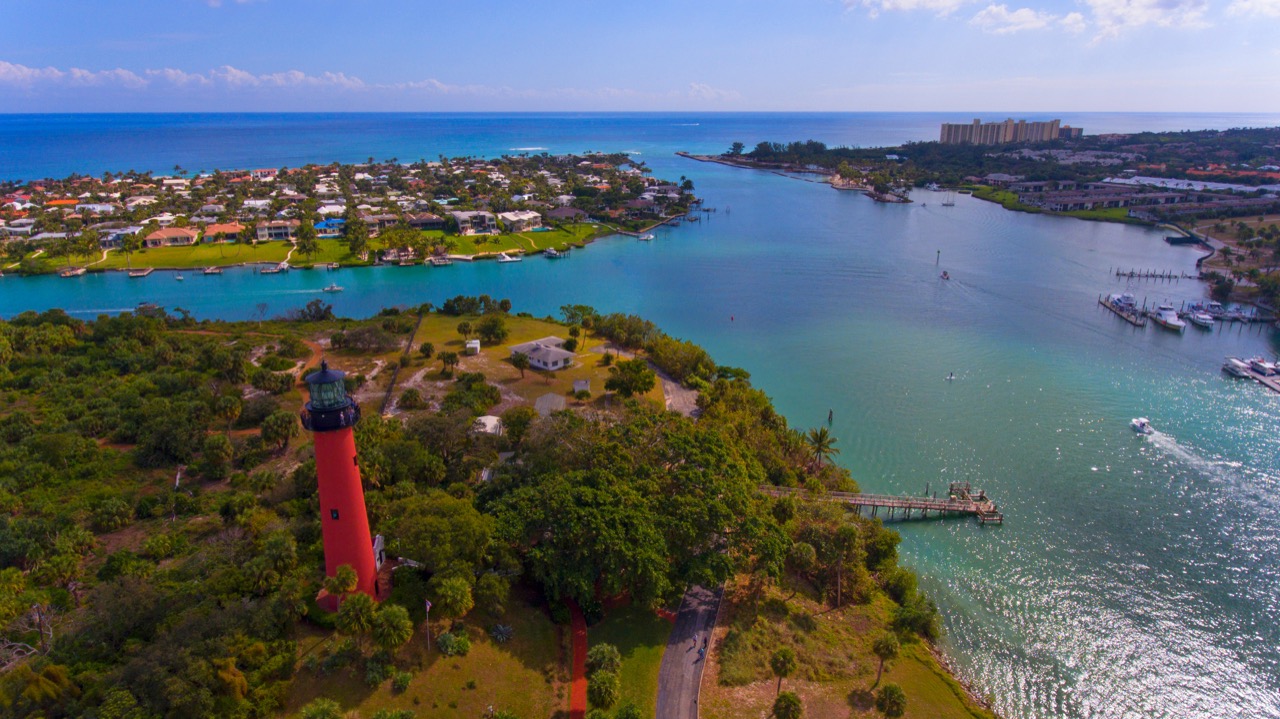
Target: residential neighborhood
377,211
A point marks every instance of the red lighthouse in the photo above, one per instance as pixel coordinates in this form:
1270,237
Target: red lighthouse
344,522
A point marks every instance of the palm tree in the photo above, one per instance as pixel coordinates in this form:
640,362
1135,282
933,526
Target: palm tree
783,663
821,445
885,648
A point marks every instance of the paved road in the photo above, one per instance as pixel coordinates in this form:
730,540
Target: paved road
681,670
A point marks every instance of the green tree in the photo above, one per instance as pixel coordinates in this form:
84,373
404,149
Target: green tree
736,148
343,581
356,232
305,240
520,361
783,663
322,709
217,456
517,421
130,244
603,689
604,658
391,627
891,700
451,595
630,377
280,427
492,329
787,706
356,616
229,407
87,243
821,445
426,349
885,647
465,329
448,360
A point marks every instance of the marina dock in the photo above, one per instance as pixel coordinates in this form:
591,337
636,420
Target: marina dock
962,501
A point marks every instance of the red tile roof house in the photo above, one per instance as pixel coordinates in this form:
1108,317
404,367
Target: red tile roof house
171,236
229,231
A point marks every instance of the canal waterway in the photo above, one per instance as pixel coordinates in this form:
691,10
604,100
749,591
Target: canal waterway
1134,577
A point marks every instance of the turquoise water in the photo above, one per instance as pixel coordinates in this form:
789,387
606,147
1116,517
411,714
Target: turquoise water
1134,577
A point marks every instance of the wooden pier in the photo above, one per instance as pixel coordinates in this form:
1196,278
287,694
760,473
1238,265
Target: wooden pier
962,500
1165,275
1134,317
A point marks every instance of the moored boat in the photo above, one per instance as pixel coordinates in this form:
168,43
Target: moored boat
441,262
1262,366
72,272
179,277
646,237
504,257
1236,367
1201,319
213,270
1167,317
554,254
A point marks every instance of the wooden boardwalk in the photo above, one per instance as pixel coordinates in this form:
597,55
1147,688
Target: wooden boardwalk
961,501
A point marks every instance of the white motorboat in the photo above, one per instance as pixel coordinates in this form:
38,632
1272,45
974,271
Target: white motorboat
1141,425
1201,319
212,270
1236,367
504,257
179,277
1167,317
1262,366
646,237
333,288
554,254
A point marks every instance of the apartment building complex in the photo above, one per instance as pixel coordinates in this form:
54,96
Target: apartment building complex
1008,131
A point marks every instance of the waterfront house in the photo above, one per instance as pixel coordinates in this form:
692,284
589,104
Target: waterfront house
277,230
547,353
425,221
521,220
566,214
114,239
330,228
475,222
223,232
171,236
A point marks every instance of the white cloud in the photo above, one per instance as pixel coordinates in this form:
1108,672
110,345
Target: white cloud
703,91
998,19
1073,22
875,7
228,80
22,76
1113,17
1269,8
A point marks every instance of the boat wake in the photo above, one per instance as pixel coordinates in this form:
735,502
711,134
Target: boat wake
1169,446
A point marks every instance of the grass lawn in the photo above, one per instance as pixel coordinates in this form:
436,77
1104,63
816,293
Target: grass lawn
199,255
494,362
524,676
526,241
641,637
836,665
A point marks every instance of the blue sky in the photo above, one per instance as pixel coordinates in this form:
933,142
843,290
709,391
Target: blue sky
566,55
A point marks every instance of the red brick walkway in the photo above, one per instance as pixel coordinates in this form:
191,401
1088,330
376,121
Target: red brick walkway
578,683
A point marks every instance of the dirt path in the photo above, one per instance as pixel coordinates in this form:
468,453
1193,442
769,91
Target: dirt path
676,396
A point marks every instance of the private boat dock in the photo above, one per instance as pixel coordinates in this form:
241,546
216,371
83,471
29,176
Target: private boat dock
1165,275
962,500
